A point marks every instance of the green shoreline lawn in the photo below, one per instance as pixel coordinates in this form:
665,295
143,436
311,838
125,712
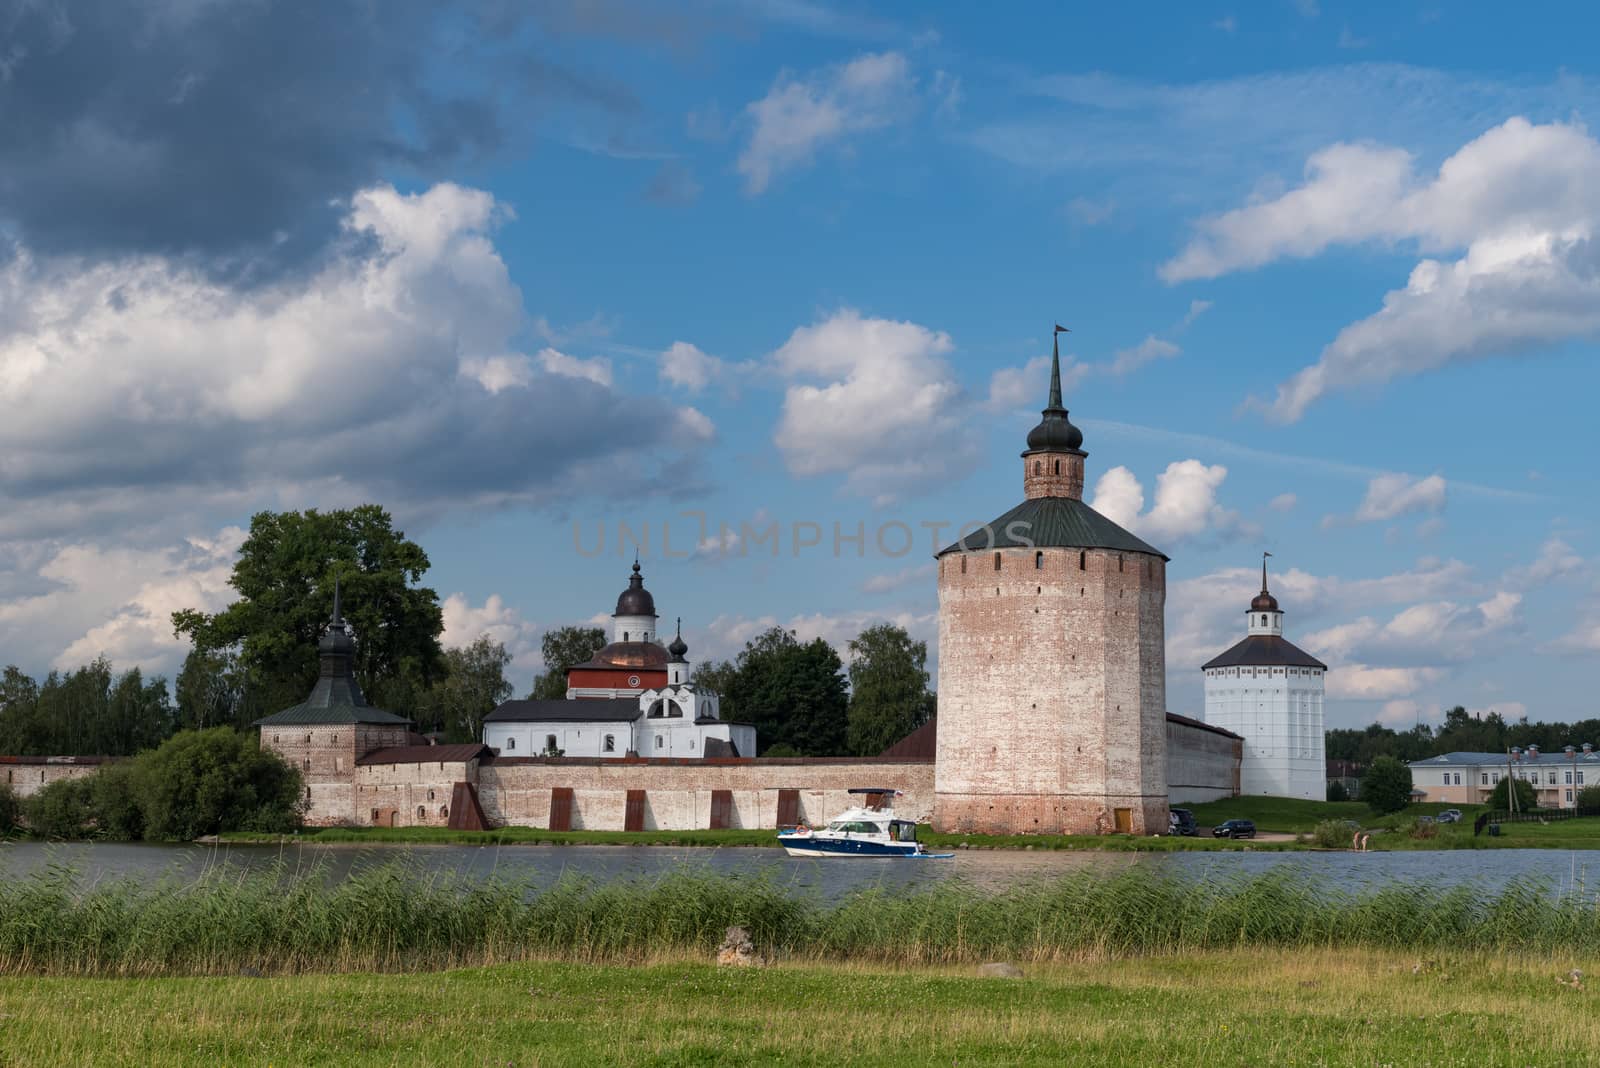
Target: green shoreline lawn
1272,816
1351,1007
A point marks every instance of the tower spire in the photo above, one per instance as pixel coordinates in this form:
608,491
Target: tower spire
1264,556
1055,368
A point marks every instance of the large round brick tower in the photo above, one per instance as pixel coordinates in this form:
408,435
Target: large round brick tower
1052,675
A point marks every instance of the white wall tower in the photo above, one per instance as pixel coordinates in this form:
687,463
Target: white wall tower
1270,693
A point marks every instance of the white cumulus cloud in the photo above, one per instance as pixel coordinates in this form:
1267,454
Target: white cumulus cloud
1394,495
1185,502
801,115
873,398
1518,207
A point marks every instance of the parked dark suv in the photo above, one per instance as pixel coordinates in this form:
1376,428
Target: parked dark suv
1234,829
1183,822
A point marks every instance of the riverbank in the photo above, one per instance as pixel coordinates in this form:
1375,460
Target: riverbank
764,839
1310,1007
399,916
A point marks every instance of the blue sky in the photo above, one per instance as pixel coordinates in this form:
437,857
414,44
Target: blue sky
1328,270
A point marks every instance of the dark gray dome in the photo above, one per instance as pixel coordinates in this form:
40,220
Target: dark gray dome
636,600
678,646
1055,432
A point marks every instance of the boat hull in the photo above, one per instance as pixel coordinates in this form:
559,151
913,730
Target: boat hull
815,846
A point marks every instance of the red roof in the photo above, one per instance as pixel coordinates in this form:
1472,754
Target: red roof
427,754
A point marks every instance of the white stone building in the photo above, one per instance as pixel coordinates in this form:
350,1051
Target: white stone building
632,699
1269,692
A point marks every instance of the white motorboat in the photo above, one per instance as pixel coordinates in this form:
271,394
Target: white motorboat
860,831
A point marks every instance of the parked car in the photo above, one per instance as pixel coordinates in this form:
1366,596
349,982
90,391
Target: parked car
1234,829
1183,822
1449,815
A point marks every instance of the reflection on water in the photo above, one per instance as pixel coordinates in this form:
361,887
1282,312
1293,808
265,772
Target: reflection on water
541,866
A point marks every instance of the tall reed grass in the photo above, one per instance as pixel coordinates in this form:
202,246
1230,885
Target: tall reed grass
395,918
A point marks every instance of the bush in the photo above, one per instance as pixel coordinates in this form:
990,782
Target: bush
202,782
10,809
112,805
1589,797
60,810
1421,829
1527,797
1332,834
1337,792
1386,787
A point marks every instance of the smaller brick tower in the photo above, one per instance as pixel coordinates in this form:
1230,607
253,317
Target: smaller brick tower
1052,685
330,730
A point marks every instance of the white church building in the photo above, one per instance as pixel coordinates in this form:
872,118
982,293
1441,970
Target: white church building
631,699
1269,692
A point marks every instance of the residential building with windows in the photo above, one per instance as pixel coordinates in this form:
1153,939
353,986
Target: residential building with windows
1465,778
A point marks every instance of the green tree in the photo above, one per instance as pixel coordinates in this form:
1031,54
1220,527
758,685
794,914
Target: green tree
888,688
1589,797
1527,796
285,578
1386,787
60,810
20,729
716,677
113,805
563,648
793,693
475,685
214,691
202,782
10,809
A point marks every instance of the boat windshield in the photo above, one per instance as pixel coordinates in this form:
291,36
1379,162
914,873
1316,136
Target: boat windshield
904,832
855,827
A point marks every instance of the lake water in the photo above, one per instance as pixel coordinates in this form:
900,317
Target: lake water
543,864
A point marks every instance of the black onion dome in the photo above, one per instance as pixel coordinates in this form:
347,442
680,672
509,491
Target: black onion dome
1055,432
636,600
678,646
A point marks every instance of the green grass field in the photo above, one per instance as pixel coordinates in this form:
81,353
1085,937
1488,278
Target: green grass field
1230,1008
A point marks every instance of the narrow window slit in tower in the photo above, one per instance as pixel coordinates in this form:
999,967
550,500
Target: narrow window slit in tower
1038,561
997,561
1083,561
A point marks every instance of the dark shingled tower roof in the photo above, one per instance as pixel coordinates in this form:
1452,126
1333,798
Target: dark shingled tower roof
1264,650
1053,522
337,696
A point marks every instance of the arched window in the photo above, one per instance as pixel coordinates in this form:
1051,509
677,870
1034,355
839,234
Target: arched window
1038,561
511,743
549,741
624,635
430,795
306,763
1083,561
1263,620
274,737
444,812
1058,467
660,741
997,561
422,813
1036,467
610,745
